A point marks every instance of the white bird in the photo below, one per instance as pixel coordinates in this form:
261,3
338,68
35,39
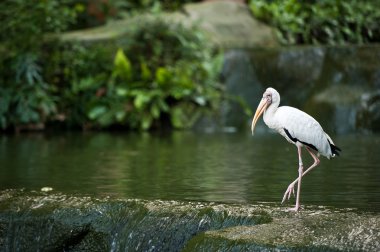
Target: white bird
298,128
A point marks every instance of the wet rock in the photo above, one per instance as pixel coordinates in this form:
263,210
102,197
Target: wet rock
45,221
351,66
241,82
33,221
342,103
310,230
342,95
368,117
294,71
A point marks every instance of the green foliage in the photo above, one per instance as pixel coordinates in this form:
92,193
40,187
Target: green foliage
321,22
27,99
161,75
25,96
92,13
123,68
24,22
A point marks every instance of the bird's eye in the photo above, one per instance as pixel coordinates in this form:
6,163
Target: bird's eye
267,96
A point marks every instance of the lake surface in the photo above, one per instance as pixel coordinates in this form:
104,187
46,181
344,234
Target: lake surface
222,167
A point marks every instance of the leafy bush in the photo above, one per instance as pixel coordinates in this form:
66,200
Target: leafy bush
92,13
25,96
161,75
321,22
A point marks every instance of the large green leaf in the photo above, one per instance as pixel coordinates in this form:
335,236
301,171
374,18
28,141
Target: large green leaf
96,112
163,76
141,100
123,67
145,72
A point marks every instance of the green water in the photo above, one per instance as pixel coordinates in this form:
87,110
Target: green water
230,168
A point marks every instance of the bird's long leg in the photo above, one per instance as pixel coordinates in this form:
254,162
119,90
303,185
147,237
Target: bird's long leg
290,189
300,173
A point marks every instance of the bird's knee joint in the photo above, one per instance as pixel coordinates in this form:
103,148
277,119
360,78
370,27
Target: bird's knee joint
300,169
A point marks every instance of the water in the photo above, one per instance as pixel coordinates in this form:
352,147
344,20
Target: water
221,167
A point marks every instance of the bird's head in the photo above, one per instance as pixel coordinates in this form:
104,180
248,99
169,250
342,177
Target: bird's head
270,96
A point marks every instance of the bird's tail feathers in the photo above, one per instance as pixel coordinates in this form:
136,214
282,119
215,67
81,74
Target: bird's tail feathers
329,138
334,149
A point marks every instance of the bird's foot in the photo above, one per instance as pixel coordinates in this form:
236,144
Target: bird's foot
288,193
294,209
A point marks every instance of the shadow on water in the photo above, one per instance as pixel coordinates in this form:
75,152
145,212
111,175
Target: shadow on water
230,168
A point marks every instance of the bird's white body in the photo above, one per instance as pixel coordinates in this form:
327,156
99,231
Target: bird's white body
300,126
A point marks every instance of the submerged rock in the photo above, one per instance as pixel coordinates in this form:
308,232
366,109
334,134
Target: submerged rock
45,221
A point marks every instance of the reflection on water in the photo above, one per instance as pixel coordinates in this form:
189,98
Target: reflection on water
190,166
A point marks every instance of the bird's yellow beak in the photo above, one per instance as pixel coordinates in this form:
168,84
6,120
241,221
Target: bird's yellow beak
260,109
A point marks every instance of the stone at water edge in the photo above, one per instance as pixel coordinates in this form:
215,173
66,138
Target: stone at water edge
312,230
36,220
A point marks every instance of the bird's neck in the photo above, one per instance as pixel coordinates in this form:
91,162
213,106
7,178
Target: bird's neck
269,115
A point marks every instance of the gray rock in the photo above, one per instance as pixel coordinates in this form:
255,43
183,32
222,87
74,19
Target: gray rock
368,116
228,24
241,83
32,221
315,230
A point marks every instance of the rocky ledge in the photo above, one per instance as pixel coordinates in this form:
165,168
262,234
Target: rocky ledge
52,221
228,24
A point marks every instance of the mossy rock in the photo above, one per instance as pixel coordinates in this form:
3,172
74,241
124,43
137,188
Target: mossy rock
54,221
322,230
228,24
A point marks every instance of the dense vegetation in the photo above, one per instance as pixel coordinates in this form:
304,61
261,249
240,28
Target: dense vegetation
25,95
321,21
161,75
